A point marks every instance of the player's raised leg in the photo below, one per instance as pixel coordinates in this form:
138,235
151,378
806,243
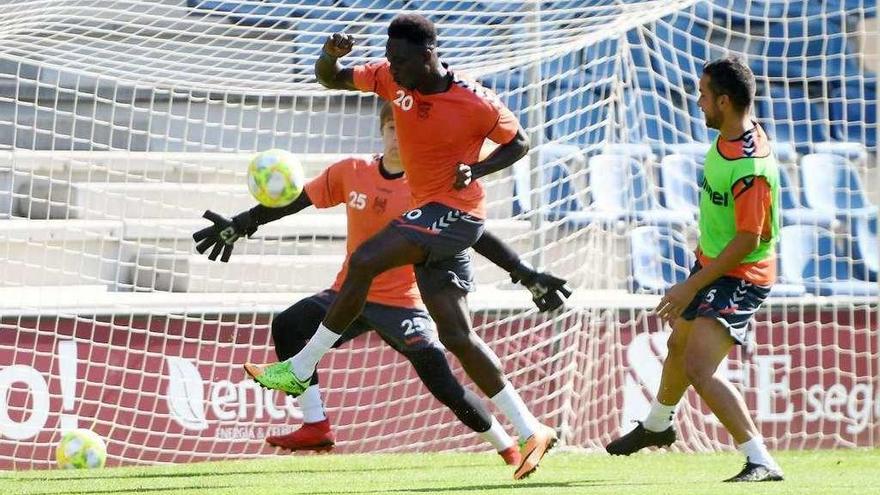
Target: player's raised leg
385,250
447,302
432,367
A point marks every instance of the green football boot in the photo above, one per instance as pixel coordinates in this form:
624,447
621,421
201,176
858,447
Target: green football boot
278,376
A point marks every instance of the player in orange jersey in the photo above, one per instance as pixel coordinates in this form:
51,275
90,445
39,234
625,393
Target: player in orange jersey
442,122
375,192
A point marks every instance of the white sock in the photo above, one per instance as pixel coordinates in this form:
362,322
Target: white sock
756,452
510,403
660,417
312,406
497,436
305,360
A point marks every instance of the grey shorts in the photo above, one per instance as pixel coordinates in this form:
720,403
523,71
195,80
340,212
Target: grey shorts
404,329
445,234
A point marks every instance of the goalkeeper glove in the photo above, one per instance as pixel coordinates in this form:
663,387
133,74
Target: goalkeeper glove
222,235
548,292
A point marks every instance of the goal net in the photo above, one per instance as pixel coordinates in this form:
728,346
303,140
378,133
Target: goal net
122,121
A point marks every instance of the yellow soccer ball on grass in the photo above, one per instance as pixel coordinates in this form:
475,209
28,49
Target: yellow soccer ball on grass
81,449
275,178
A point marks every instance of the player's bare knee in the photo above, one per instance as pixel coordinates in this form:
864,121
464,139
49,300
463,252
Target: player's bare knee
698,372
457,341
676,344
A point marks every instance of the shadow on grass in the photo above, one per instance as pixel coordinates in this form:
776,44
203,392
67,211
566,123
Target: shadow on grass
141,490
488,488
137,476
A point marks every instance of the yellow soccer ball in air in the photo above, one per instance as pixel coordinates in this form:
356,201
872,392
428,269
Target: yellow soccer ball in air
81,449
275,178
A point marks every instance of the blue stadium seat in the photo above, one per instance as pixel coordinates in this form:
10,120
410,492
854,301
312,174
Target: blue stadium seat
561,198
579,115
789,115
785,152
865,242
620,191
829,183
640,151
680,176
695,150
800,50
512,89
852,151
658,116
253,14
562,202
853,112
659,259
783,289
776,9
808,258
682,42
793,212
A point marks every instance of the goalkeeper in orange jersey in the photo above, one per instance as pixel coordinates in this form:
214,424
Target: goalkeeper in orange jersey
375,192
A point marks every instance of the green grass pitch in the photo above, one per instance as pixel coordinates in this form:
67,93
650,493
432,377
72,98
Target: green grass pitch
848,472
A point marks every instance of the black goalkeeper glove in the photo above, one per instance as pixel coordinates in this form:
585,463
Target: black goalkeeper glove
222,235
548,292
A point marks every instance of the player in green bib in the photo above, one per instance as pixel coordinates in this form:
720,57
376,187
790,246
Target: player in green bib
710,311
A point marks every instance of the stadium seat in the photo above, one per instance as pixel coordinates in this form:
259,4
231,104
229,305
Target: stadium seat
557,181
6,190
696,150
785,152
829,183
658,115
680,177
853,112
682,42
511,87
793,212
789,115
865,240
855,152
801,50
578,116
620,191
783,289
659,257
808,257
250,13
775,9
640,151
562,202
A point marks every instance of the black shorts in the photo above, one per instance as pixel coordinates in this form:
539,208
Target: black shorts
404,329
731,301
445,234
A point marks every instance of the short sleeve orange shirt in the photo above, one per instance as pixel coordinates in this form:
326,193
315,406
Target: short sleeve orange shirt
436,132
371,202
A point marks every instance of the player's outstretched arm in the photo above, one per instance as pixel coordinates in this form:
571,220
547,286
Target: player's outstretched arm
329,72
503,157
548,292
221,236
